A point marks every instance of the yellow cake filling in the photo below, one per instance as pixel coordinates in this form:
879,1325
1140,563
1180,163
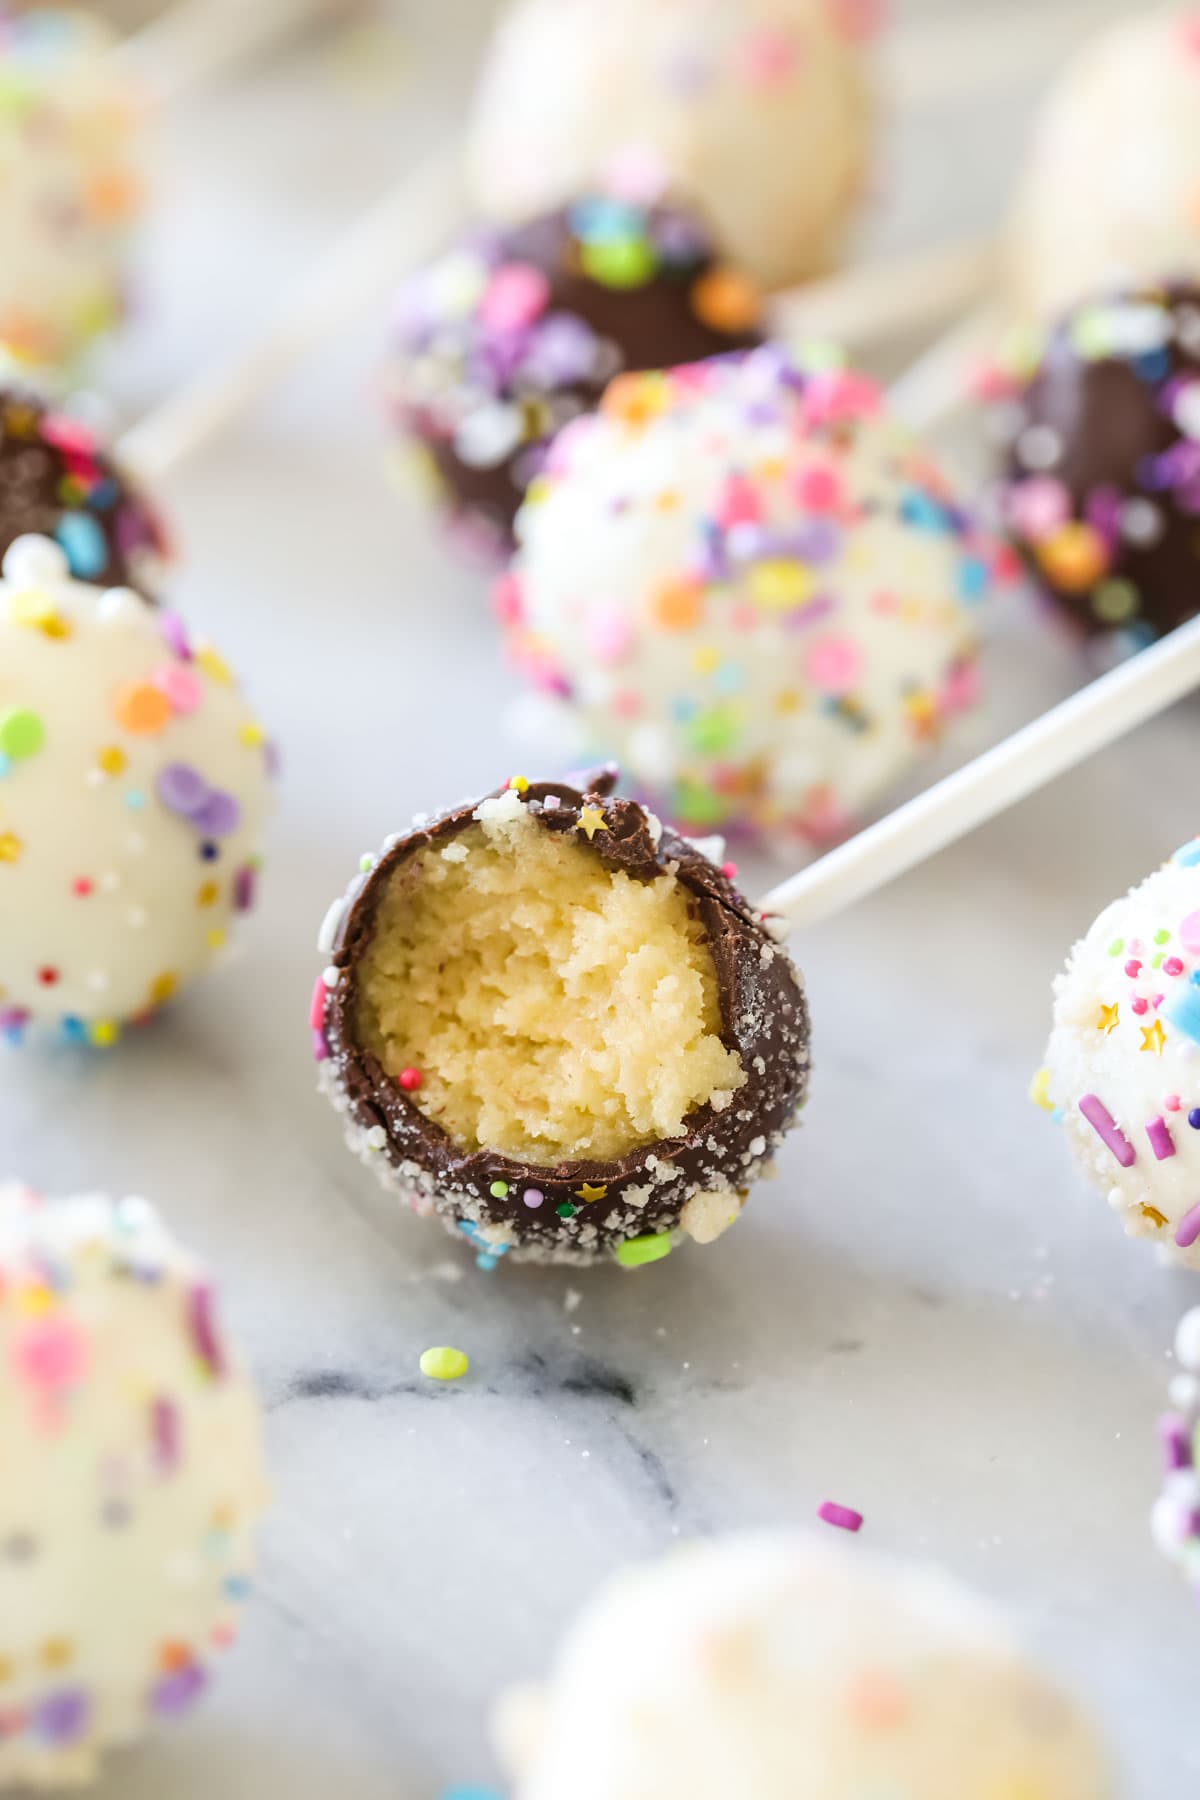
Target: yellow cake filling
552,1008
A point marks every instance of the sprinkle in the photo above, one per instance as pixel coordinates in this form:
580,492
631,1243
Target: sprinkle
409,1079
316,1011
519,783
141,709
634,1253
844,1517
587,1192
22,733
1039,1090
499,1190
1106,1127
591,820
1188,1229
533,1197
1109,1018
442,1363
1160,1139
1184,1013
203,1329
1153,1038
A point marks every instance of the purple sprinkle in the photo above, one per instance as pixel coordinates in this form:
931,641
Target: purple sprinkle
844,1517
1161,1141
244,885
1176,1442
219,814
62,1718
164,1428
533,1197
1188,1229
175,636
1106,1128
320,1047
203,1329
182,789
174,1694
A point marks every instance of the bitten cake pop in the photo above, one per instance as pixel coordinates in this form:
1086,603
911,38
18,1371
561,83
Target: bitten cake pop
559,1027
774,1667
1103,487
133,1481
746,581
756,111
57,481
68,148
512,335
134,783
1176,1518
1123,1063
1109,192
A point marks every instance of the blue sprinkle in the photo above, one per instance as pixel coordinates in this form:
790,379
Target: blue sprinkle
601,220
1188,855
135,799
684,709
238,1587
470,1793
1184,1014
1153,366
104,495
5,765
972,578
920,510
74,1030
729,679
1194,1118
83,544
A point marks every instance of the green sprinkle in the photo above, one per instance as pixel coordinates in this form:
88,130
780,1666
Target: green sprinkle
1162,937
621,263
498,1190
442,1363
1116,947
21,732
566,1210
636,1251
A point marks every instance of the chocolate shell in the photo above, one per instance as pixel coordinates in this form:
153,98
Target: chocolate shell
1102,494
579,1211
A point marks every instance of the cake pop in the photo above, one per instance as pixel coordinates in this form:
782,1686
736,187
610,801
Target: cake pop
58,481
513,334
1102,493
1176,1518
1122,1069
748,582
758,112
133,1480
68,147
134,783
773,1666
1108,196
559,1027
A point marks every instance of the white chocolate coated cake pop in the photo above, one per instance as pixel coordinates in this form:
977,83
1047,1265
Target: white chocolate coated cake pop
134,783
69,145
756,112
774,1667
745,581
1122,1067
1111,191
133,1478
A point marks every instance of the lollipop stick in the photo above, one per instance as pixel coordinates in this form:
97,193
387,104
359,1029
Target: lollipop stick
936,388
198,41
1098,715
868,304
400,230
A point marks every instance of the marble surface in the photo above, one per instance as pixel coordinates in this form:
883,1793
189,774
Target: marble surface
925,1317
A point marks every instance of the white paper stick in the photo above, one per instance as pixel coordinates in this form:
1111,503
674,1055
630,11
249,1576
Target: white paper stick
986,52
896,296
1098,715
937,387
198,41
401,230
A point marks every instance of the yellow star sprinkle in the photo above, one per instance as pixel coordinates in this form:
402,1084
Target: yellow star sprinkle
587,1192
1152,1213
1039,1090
214,665
1109,1017
1154,1037
10,847
591,820
252,735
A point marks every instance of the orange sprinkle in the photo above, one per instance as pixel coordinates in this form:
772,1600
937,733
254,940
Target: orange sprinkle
1075,557
141,709
676,604
726,300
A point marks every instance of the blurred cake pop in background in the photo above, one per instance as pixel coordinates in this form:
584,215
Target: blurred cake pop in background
515,333
1102,493
135,783
1176,1517
1122,1071
757,112
747,582
1111,190
133,1481
773,1666
70,183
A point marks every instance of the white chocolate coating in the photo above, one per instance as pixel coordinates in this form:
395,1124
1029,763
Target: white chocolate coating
783,1668
69,151
133,788
1126,1048
133,1477
755,591
1109,196
757,112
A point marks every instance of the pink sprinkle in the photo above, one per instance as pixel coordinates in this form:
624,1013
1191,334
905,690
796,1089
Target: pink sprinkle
1106,1127
820,489
1160,1139
67,433
320,1046
833,665
739,503
1188,1229
51,1353
203,1327
1133,967
506,599
516,295
316,1012
844,1517
1141,1006
1172,966
729,871
182,688
1189,933
1172,1103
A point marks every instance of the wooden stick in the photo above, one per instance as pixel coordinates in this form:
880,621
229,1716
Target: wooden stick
1098,715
